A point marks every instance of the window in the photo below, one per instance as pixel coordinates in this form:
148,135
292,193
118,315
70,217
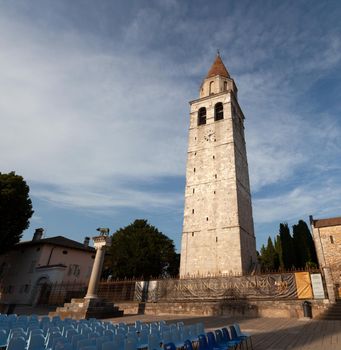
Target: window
202,116
74,270
193,190
192,211
218,111
225,85
192,234
64,252
32,266
331,239
211,87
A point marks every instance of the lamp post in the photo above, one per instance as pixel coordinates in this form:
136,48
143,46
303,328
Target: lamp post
100,243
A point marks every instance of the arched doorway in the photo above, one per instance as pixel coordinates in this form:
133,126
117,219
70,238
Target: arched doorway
42,291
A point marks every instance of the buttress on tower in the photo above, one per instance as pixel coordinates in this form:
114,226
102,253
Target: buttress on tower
218,235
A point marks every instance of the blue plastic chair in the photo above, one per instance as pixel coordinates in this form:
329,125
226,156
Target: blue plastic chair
108,345
169,346
3,338
131,342
82,343
227,337
63,346
142,340
223,342
212,344
90,347
36,342
154,341
234,336
17,344
188,345
242,334
101,340
119,341
203,344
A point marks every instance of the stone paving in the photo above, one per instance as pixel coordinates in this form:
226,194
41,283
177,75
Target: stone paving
267,333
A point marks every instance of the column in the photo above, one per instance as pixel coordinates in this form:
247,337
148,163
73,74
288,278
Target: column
100,243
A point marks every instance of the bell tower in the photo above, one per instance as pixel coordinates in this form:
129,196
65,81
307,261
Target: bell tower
218,235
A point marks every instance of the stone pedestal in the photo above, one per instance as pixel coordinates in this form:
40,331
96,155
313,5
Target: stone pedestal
87,308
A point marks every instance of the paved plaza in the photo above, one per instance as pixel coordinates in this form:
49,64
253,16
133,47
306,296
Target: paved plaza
267,333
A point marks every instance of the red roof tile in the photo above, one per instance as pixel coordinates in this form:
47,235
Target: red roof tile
218,68
327,222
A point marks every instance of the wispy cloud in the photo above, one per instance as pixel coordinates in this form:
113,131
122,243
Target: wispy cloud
91,110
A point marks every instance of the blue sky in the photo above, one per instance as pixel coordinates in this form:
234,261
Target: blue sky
94,106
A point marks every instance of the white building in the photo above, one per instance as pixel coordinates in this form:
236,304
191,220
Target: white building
29,269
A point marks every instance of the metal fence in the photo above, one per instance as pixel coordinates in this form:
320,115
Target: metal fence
271,285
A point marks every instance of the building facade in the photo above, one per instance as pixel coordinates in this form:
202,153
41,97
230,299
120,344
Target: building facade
327,239
28,271
218,234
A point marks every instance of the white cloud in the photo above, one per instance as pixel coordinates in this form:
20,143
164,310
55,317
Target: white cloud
320,200
84,118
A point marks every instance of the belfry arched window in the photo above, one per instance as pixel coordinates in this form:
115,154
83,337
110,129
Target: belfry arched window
202,116
218,111
211,87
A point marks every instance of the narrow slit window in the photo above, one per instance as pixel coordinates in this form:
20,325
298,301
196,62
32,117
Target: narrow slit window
193,190
202,116
192,211
331,239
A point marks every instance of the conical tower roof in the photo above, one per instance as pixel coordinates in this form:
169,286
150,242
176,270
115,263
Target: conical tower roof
218,68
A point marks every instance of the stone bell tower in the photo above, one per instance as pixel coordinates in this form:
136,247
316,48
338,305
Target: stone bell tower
218,235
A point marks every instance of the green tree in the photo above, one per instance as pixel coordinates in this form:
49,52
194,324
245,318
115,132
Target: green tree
278,249
140,250
287,247
15,209
304,245
269,257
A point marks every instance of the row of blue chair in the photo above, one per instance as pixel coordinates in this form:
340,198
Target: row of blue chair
220,339
32,333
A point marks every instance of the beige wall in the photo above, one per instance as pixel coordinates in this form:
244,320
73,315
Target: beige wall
22,273
327,238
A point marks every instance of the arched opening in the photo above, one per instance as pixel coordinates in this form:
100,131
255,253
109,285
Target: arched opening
41,292
202,116
225,85
211,87
218,111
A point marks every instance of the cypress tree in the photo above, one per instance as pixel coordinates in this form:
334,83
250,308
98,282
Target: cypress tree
304,245
287,245
269,257
278,249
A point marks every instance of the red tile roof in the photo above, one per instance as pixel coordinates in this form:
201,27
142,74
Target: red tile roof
327,222
58,241
218,68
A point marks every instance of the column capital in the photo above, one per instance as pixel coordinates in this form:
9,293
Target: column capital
101,241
